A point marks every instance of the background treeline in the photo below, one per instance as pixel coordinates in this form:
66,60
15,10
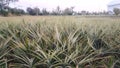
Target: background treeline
8,11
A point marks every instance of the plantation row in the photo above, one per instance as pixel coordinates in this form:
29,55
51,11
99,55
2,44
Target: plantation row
59,45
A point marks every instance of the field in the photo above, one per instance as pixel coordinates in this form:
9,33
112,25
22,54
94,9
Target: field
60,42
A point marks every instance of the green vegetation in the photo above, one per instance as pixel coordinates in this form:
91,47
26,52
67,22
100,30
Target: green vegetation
6,10
4,7
116,11
60,41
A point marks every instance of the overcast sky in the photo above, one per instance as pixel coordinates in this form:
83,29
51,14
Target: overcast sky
88,5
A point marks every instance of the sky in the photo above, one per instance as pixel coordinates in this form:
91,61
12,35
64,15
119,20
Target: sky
87,5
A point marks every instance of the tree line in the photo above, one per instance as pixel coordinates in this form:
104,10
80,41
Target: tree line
5,10
57,11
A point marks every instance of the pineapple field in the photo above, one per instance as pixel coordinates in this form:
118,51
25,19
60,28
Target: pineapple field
60,42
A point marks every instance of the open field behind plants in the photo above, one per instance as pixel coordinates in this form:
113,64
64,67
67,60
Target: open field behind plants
59,42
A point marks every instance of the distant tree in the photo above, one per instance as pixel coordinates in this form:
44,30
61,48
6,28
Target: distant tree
68,11
116,11
15,11
45,12
78,13
36,11
4,12
94,13
105,12
6,2
30,11
83,12
57,11
54,12
20,12
3,4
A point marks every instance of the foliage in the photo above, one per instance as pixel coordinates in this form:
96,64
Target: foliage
15,11
57,11
116,11
45,12
68,11
3,5
6,2
62,42
35,11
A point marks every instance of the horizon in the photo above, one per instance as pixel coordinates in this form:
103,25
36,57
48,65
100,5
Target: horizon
80,5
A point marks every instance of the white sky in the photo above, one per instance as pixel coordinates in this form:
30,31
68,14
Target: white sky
88,5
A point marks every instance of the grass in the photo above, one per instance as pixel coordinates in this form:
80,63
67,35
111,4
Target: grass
60,41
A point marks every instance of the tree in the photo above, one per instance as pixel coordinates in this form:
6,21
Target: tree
116,11
57,11
3,4
44,11
68,11
15,11
83,12
30,11
36,11
6,2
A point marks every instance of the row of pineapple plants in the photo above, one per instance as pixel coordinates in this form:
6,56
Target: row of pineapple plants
51,45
